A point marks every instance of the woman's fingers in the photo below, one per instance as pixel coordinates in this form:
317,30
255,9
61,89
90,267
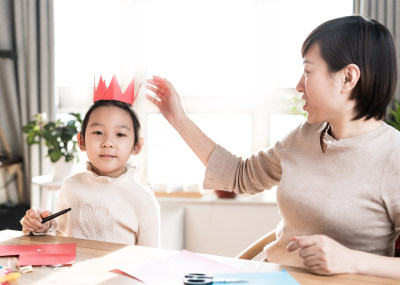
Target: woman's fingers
156,91
153,100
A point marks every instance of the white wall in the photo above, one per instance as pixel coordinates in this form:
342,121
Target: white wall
218,226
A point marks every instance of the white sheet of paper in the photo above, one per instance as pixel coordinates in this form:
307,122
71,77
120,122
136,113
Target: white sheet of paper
173,268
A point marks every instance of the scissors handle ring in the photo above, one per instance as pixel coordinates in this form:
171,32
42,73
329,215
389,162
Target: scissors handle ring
197,281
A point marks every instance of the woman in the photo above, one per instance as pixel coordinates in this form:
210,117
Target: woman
337,174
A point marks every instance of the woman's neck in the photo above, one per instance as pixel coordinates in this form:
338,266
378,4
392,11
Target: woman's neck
348,129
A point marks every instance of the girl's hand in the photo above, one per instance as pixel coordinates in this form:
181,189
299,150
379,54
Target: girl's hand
324,256
168,102
32,221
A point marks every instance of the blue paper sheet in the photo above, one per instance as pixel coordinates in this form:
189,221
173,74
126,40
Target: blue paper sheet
262,278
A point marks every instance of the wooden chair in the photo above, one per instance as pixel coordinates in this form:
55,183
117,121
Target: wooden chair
255,248
13,165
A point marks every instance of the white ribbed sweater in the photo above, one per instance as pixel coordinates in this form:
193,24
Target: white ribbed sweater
350,193
109,209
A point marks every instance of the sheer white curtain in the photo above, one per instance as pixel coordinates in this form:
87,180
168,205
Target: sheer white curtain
27,87
386,12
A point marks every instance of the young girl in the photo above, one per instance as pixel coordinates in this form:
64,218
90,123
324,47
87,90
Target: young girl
107,202
337,174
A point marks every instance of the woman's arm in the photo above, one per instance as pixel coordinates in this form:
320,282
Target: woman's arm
324,256
170,105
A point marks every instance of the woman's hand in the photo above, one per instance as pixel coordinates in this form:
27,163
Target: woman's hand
168,102
32,221
324,256
170,105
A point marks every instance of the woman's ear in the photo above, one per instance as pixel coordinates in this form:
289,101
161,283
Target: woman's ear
138,147
351,77
81,142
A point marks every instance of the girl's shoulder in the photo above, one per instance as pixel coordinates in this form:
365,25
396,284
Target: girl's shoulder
134,185
76,177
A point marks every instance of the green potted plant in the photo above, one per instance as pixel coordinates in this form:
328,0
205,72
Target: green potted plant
395,112
59,137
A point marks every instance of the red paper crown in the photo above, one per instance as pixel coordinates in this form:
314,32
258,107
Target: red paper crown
113,92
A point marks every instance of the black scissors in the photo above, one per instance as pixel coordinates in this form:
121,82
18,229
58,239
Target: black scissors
200,278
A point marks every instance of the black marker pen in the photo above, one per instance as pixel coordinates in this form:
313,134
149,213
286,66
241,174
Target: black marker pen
55,215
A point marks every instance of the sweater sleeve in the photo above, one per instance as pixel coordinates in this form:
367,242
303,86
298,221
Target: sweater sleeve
390,188
226,171
149,223
61,204
251,175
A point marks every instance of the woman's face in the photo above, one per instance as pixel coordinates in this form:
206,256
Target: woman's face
322,90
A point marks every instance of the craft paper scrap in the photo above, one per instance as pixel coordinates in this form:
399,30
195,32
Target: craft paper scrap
10,277
41,254
262,278
175,267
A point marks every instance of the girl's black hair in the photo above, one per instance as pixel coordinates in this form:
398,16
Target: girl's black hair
122,105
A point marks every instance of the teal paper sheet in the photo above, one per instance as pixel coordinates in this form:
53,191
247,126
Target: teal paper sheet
262,278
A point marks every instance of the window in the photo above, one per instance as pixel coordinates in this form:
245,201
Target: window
180,167
234,62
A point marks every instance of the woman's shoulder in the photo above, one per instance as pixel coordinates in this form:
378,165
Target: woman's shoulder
306,128
391,133
303,133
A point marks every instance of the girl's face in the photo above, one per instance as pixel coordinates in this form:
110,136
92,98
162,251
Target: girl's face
109,140
322,90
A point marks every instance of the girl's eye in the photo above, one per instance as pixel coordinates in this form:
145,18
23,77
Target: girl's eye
121,135
97,133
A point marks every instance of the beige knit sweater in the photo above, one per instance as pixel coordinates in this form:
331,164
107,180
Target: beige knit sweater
350,193
109,209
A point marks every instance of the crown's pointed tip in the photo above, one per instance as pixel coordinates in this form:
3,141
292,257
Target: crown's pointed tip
113,91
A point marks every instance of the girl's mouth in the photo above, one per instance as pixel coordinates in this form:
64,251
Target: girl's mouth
107,155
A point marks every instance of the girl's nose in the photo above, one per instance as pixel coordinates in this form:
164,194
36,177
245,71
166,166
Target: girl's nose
300,85
107,142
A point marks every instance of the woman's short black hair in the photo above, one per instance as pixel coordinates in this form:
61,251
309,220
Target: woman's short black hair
369,45
106,103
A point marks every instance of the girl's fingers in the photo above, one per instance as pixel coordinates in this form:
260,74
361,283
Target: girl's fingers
45,214
28,226
34,222
33,226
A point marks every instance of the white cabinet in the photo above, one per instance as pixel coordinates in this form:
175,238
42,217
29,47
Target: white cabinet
216,226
